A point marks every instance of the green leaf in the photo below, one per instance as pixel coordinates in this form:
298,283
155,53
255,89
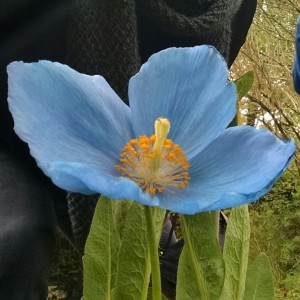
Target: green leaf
259,281
102,246
201,266
244,84
235,253
134,260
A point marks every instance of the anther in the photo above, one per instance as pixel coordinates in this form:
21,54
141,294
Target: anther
155,163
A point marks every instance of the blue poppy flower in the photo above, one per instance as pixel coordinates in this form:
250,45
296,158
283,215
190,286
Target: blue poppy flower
87,140
296,70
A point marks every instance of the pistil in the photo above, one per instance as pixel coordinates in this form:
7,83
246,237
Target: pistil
162,128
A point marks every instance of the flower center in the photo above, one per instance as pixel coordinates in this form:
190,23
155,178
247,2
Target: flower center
155,163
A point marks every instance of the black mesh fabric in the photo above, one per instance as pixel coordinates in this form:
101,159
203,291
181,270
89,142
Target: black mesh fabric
194,21
103,40
81,211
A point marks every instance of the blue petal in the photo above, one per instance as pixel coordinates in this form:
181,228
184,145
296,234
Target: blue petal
238,167
92,180
68,117
187,86
296,70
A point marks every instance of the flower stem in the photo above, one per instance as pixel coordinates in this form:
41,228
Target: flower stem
215,215
154,259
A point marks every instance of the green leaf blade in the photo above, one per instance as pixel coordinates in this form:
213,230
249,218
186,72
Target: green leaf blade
259,281
244,84
235,253
102,244
134,260
201,267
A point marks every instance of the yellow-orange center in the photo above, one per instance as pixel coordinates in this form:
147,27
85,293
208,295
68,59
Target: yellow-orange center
155,163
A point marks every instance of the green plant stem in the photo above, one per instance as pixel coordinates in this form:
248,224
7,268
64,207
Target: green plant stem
215,216
154,259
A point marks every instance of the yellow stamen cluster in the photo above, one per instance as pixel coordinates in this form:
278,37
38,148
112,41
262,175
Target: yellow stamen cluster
155,163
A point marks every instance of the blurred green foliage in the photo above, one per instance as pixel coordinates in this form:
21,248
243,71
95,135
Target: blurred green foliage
65,281
275,230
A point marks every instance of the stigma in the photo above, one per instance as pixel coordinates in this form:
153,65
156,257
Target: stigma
155,163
